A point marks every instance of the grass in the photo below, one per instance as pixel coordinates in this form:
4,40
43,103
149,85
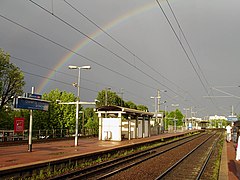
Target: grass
218,160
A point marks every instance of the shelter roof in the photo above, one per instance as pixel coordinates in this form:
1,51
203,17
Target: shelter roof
124,109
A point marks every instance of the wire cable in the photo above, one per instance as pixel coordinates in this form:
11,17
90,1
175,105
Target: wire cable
74,52
94,82
120,44
181,44
101,45
188,44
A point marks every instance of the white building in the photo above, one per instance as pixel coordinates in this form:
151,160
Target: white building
117,123
216,117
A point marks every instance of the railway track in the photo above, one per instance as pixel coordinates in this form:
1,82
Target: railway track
50,168
184,169
115,169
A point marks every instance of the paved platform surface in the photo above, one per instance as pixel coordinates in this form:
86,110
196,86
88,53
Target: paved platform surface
229,167
17,156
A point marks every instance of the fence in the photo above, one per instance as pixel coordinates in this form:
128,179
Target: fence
9,135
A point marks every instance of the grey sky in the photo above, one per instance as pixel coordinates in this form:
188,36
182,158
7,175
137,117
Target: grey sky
211,27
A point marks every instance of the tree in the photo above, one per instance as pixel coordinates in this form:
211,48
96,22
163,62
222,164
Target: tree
177,114
11,80
130,104
112,98
59,115
141,107
92,120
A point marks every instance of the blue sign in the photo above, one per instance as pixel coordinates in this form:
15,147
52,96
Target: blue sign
232,118
34,96
30,103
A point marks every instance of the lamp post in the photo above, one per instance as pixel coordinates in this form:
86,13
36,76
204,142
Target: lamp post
78,96
157,102
165,122
106,95
157,106
174,119
186,117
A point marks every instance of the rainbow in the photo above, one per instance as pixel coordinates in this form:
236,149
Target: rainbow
120,19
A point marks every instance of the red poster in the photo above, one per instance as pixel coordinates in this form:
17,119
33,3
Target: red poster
18,125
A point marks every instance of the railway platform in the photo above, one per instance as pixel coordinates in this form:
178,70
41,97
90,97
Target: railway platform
18,156
229,167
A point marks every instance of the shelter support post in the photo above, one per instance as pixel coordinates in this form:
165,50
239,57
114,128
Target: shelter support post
136,128
100,126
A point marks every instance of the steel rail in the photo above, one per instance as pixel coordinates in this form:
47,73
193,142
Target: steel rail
208,157
183,158
92,171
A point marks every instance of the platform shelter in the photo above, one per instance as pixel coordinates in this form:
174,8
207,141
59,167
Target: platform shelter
117,123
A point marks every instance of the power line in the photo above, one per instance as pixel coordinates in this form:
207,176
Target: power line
105,85
28,62
188,44
101,45
185,38
188,57
68,84
68,49
74,52
123,46
186,53
120,44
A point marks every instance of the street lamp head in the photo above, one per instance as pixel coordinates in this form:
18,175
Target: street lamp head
72,67
75,84
79,67
85,67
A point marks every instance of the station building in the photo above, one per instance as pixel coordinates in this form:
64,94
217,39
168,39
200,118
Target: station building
117,123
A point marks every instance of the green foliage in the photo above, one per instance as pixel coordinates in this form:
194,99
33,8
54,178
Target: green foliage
130,104
177,114
112,98
142,108
59,115
92,120
11,80
219,123
6,119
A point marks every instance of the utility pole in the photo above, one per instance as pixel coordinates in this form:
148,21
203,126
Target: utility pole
106,95
157,106
158,99
30,127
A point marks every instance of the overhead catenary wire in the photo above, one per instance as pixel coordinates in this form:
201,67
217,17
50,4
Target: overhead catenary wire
68,49
182,46
124,47
44,67
44,77
188,44
88,89
185,51
74,52
190,48
120,44
101,45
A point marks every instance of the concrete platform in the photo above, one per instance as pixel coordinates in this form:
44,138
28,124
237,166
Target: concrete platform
229,168
18,156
